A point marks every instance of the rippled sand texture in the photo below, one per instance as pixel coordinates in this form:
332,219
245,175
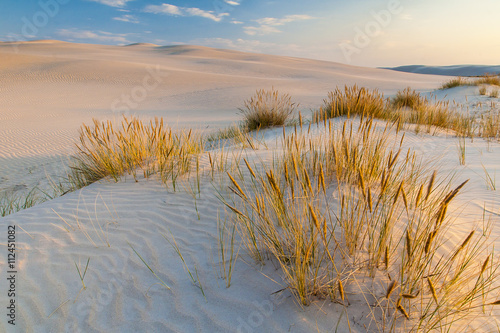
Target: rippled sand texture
104,221
49,88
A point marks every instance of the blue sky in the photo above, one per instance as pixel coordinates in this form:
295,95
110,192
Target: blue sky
361,32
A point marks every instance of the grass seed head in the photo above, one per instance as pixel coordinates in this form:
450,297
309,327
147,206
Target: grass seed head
403,311
390,289
341,290
431,184
432,289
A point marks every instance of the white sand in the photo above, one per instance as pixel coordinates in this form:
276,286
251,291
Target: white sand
49,89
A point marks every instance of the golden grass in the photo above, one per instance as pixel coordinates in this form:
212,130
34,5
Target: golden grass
408,98
267,108
407,107
347,206
455,82
104,151
488,79
354,206
352,101
481,80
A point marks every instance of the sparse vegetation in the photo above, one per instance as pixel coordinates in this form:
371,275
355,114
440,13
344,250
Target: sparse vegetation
486,79
152,148
408,98
268,108
347,212
494,93
455,82
461,150
353,101
11,202
386,226
482,90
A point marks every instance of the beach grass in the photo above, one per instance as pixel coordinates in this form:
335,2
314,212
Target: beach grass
338,213
135,146
268,108
386,225
486,79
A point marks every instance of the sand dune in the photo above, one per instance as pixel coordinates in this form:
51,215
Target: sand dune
456,70
49,88
106,220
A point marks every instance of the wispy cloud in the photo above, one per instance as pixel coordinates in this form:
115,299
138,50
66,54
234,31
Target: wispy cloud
232,2
261,30
323,51
101,36
236,22
168,9
249,45
126,18
267,25
113,3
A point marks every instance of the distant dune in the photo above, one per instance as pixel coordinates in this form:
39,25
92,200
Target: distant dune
456,70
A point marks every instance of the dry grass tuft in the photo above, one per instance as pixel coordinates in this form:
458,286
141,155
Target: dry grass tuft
268,108
455,82
488,79
151,148
353,101
426,115
408,98
344,208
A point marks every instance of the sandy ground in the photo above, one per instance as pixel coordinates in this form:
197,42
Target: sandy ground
49,89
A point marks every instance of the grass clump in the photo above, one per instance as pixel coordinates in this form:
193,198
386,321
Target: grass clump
420,111
346,212
267,108
353,101
407,98
152,147
455,82
488,79
11,202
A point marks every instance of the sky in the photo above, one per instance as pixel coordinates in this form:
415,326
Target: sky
362,32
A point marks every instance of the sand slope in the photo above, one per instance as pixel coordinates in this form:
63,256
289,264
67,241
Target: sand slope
49,88
105,220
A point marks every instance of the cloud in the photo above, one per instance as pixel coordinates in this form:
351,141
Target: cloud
262,30
126,18
113,3
324,51
233,3
236,22
101,36
267,25
168,9
287,19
